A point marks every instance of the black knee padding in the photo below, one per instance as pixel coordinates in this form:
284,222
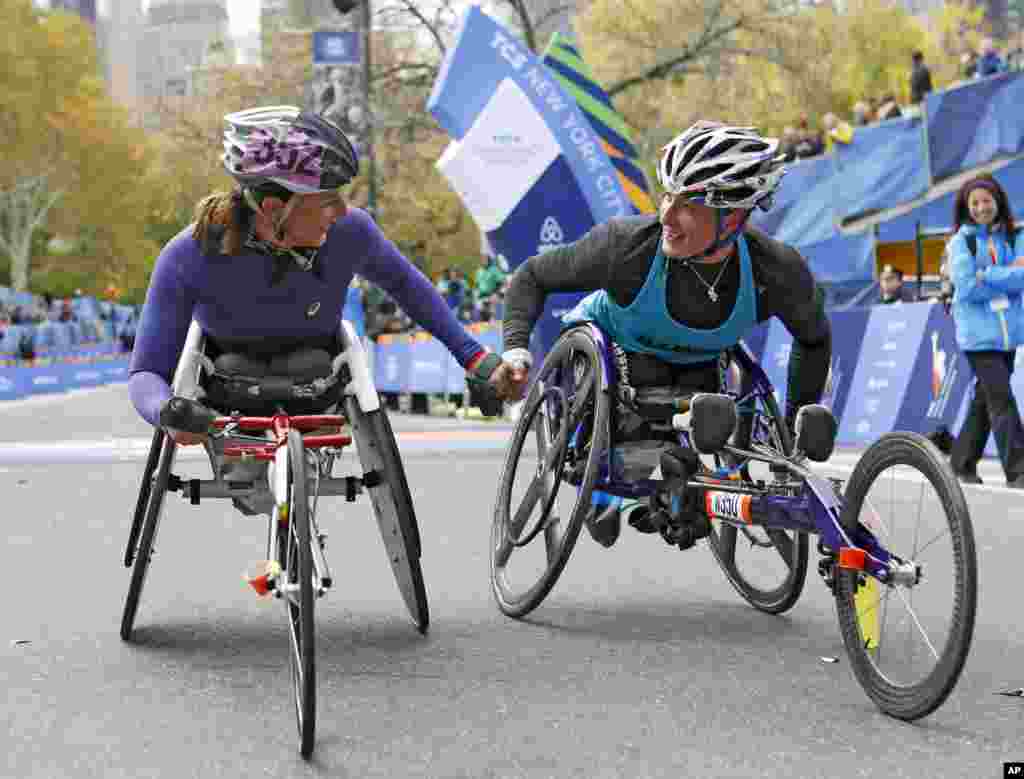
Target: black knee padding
303,365
712,421
816,430
237,364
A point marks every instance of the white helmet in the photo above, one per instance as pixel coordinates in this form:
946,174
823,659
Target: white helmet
300,151
726,167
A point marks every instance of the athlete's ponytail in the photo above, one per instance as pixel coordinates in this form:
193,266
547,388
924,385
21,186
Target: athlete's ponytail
227,210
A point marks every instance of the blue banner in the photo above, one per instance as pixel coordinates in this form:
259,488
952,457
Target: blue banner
895,336
336,47
842,258
391,365
487,58
932,214
513,123
975,123
454,376
848,339
941,377
45,376
802,208
884,165
427,366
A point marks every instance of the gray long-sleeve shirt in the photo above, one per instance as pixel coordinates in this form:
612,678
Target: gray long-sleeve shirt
616,257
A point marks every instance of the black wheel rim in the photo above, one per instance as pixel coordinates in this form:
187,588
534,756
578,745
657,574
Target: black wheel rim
762,422
580,399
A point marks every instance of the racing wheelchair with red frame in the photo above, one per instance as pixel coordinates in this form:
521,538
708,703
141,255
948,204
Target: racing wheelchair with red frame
300,452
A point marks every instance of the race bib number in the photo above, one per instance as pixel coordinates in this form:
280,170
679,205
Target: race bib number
728,505
999,304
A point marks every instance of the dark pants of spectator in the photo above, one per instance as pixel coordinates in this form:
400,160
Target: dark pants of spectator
993,410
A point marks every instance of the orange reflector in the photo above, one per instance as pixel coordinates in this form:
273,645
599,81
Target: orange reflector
728,505
852,559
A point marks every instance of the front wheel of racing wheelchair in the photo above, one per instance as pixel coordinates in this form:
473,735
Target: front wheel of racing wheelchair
768,566
552,463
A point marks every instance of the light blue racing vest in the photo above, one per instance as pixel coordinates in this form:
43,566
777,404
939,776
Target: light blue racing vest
646,325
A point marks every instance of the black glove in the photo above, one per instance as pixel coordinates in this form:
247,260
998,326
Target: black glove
481,393
186,415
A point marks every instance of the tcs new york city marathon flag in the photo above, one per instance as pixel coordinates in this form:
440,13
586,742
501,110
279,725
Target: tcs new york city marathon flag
563,59
526,160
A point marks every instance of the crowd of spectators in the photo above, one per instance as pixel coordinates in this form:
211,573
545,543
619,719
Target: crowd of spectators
96,319
803,140
479,300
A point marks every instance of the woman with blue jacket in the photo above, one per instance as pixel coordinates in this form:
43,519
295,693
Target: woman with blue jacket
989,279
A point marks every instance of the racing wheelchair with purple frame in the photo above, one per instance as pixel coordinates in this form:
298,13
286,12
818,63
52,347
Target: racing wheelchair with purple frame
733,474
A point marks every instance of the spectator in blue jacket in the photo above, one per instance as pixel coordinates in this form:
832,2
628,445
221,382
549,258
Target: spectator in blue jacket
989,321
990,63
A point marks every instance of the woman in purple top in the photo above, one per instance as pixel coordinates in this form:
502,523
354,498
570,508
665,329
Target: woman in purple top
264,269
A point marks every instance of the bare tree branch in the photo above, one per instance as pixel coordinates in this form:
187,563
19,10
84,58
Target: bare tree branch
694,51
552,13
432,28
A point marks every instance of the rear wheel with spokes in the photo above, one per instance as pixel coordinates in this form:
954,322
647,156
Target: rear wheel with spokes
553,460
908,639
767,567
296,559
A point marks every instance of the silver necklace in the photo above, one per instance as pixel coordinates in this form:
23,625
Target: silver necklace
711,287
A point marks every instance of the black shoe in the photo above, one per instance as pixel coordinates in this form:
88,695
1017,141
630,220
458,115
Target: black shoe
943,440
604,523
1016,484
969,477
639,517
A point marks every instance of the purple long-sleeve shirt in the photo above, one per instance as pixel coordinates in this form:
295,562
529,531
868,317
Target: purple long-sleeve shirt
231,297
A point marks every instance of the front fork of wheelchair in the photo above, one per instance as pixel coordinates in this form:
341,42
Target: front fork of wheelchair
278,526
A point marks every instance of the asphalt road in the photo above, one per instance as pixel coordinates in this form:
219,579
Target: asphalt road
642,662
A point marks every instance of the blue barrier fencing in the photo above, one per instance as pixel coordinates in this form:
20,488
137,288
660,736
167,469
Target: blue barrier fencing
53,375
893,368
884,164
937,213
894,163
974,123
420,364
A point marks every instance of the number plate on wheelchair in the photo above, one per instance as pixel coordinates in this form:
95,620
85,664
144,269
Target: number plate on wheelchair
728,505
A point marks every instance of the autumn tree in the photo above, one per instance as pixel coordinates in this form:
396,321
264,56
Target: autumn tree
58,122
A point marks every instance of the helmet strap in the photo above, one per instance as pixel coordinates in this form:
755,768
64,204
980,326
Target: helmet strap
285,213
278,223
720,239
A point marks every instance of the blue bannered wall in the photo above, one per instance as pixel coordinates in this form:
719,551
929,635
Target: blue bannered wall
893,368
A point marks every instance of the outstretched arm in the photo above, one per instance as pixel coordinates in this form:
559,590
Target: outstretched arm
386,267
583,266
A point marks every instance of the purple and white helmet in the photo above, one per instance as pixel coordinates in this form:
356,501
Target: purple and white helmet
724,166
298,150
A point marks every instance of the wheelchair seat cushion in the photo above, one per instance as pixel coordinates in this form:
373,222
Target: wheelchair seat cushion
301,366
293,381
